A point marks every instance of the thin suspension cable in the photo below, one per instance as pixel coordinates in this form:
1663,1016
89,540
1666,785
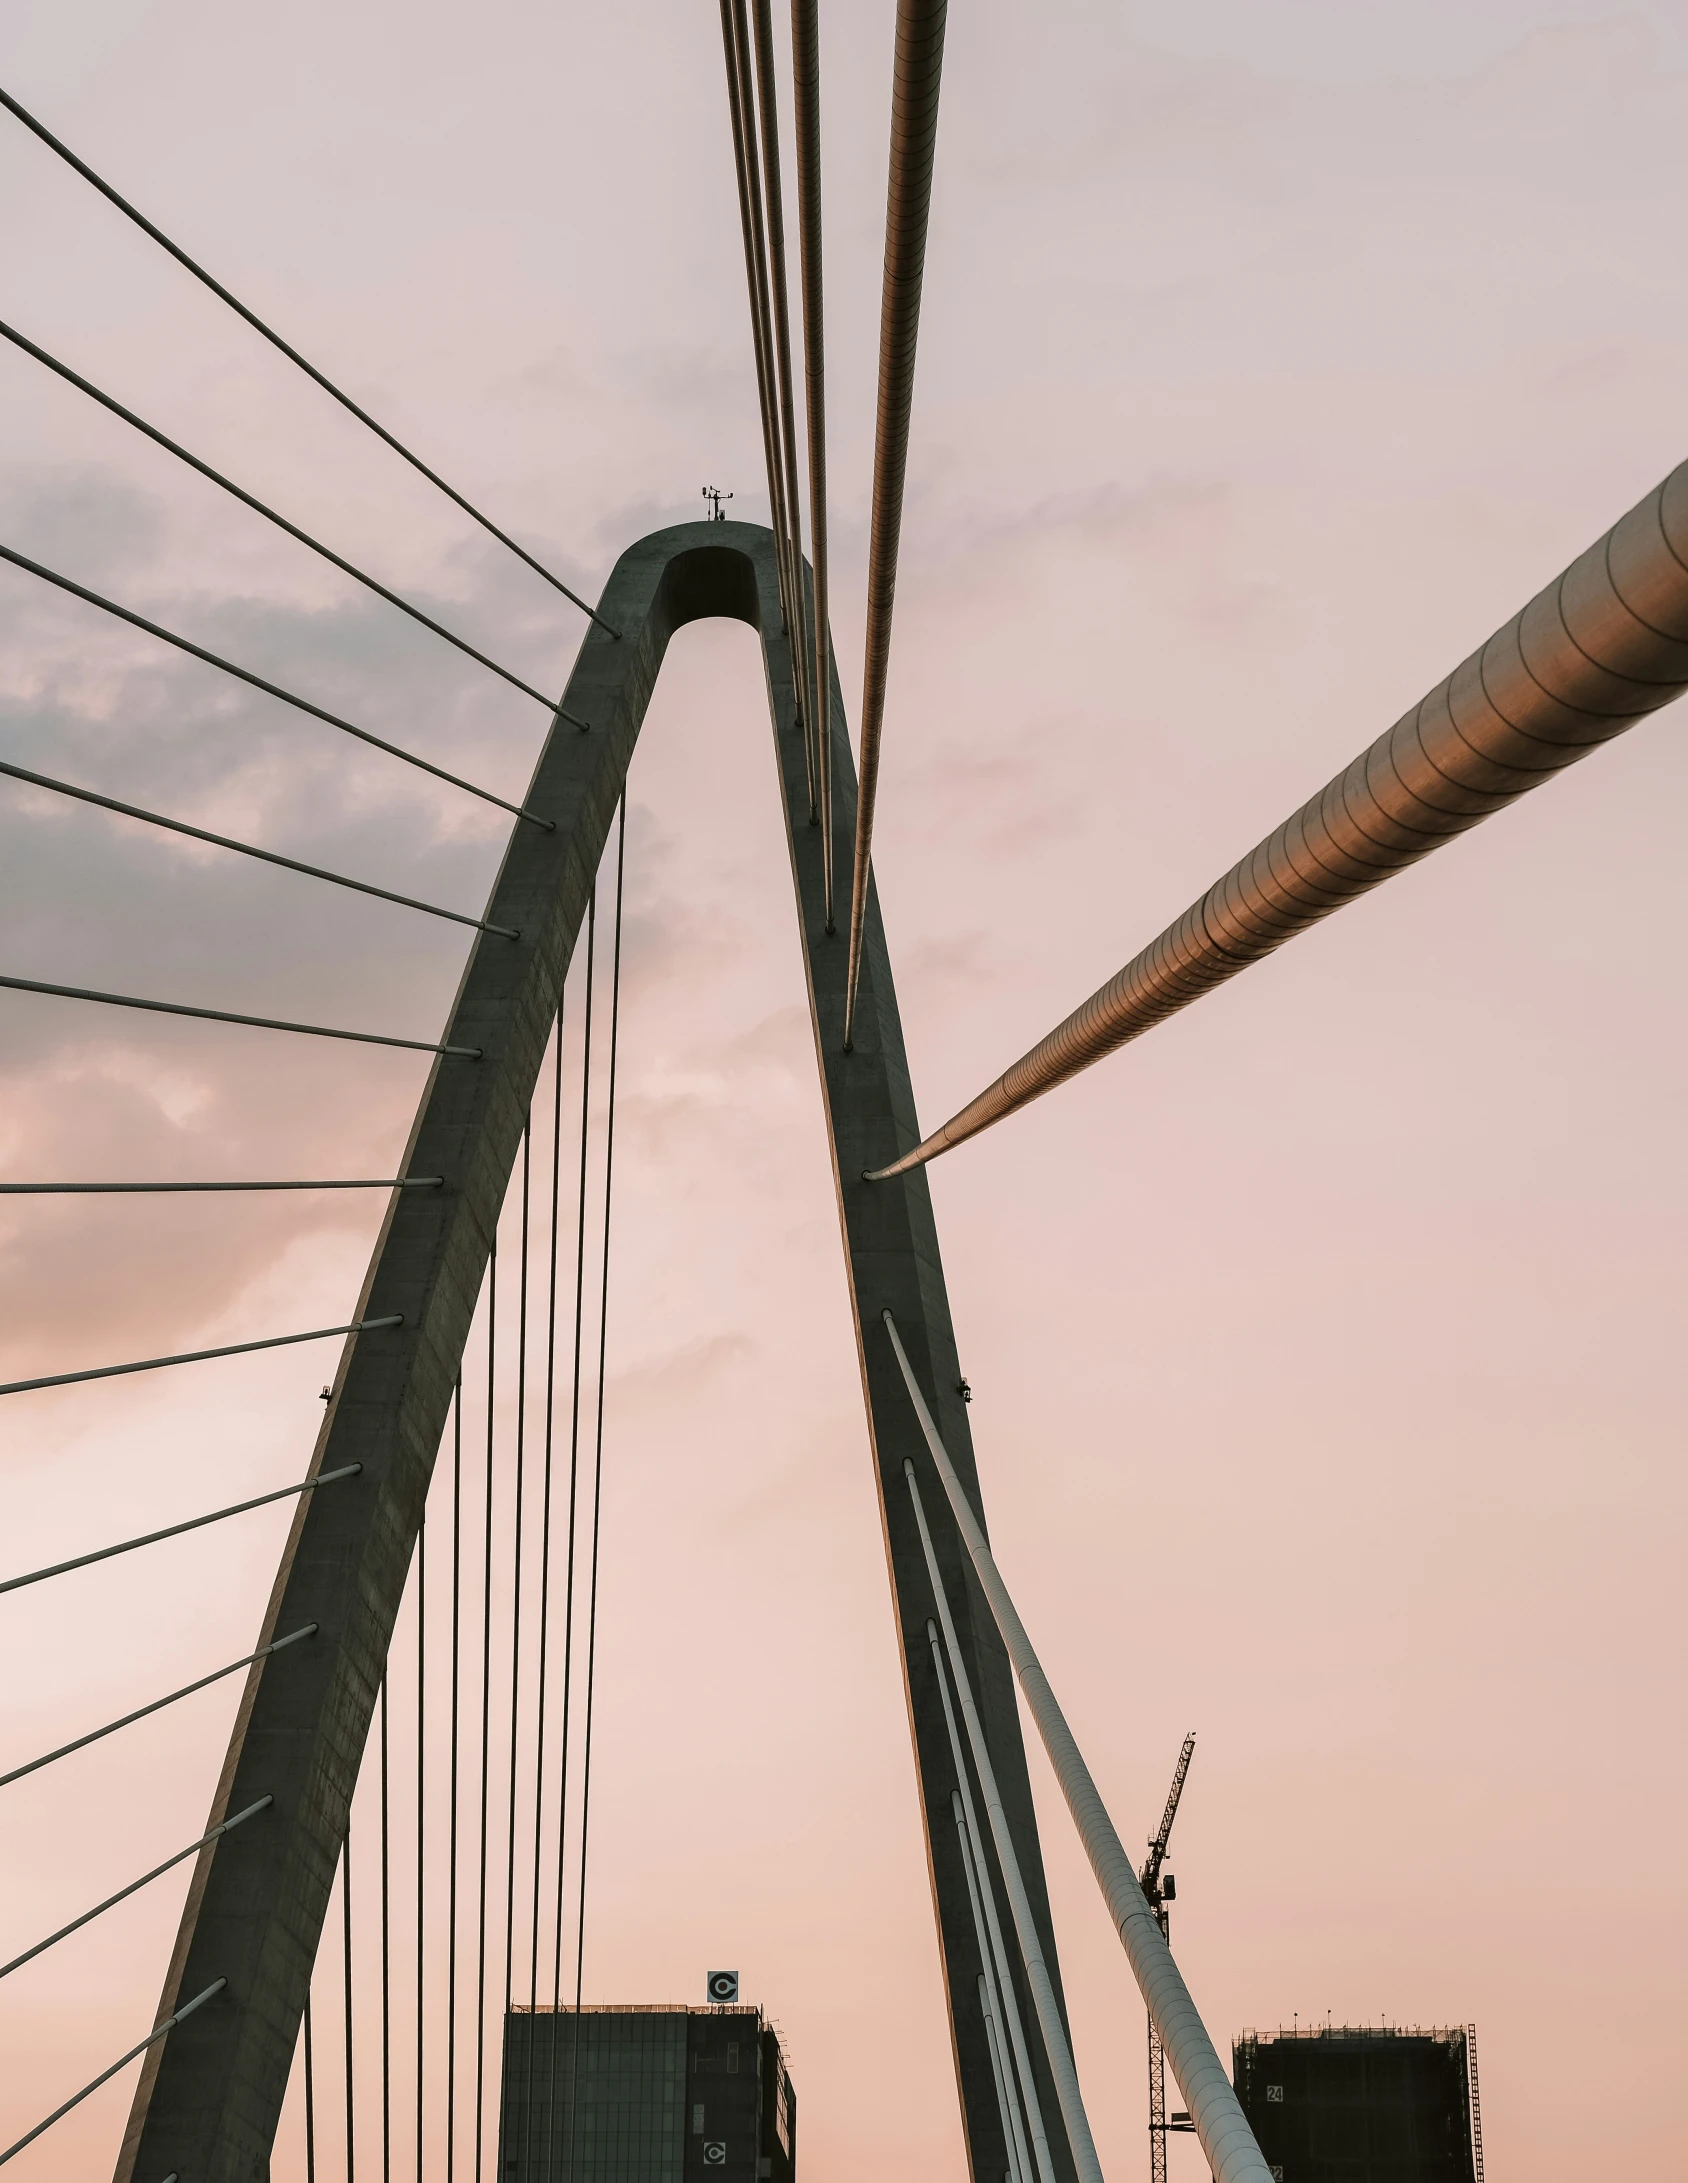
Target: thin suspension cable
516,1561
421,1815
545,1526
250,849
98,1189
140,1713
122,2062
258,682
806,90
767,103
281,522
194,1523
598,1464
908,199
310,2097
574,1487
451,1847
346,1945
223,1015
486,1712
386,1960
123,1893
292,354
198,1356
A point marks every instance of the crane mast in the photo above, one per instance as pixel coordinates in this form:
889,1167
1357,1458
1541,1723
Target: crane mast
1159,1893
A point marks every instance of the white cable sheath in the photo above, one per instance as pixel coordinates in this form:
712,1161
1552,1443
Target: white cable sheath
994,1956
1079,2141
993,2039
1221,2125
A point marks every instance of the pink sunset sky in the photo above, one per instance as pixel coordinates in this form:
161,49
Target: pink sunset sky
1327,1345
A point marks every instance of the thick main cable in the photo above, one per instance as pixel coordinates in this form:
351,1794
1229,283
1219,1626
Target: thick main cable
169,2024
1602,646
292,354
806,87
224,1015
193,1523
281,522
259,682
1221,2126
251,849
908,199
198,1356
140,1713
123,1893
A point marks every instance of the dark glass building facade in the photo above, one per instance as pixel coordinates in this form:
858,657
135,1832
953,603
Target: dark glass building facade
1365,2104
645,2095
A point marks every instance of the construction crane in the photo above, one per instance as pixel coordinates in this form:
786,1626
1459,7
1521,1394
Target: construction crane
1160,1889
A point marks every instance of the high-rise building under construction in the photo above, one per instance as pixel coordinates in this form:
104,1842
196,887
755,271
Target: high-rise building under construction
661,2094
1362,2104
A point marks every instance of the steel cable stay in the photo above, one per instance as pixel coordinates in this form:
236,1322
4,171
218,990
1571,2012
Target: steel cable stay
486,1712
519,1503
140,1713
767,103
916,78
597,1493
145,1880
250,849
281,522
1024,2112
158,2032
200,1356
1224,2132
1047,2008
293,356
113,1189
736,52
570,1554
545,1516
259,682
806,106
225,1015
174,1531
